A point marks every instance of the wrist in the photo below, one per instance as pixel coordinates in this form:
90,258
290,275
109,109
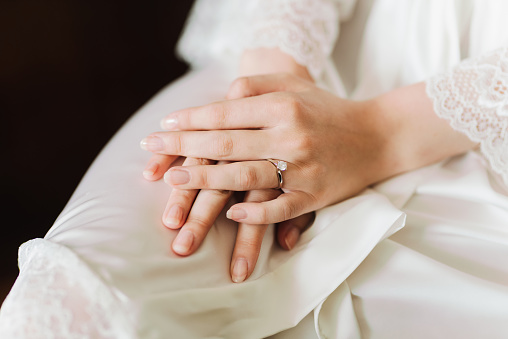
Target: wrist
270,60
384,150
410,133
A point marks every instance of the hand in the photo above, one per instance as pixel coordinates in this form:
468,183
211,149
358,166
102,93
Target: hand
195,211
309,128
334,147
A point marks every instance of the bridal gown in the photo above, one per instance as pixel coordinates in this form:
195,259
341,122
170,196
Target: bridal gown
422,255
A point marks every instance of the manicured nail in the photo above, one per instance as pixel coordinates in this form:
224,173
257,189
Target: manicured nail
174,216
150,170
169,123
236,213
183,242
152,144
292,237
240,268
177,176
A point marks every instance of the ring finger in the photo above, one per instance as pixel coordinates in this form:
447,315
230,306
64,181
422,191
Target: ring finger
238,176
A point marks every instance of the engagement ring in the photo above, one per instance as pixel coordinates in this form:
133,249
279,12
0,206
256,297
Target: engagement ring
280,166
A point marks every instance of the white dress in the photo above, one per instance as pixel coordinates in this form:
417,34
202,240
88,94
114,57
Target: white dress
422,255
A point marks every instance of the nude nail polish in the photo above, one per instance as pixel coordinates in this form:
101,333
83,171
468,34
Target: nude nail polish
240,270
236,214
177,176
173,216
169,123
152,143
292,237
150,170
183,242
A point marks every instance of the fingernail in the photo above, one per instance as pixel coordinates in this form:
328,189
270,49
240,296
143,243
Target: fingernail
150,170
169,123
236,214
183,242
239,273
292,237
174,216
177,176
152,144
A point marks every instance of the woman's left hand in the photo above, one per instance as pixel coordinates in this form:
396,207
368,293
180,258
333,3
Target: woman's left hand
333,147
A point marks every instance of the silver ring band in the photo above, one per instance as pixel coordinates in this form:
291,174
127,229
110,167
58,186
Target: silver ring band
280,166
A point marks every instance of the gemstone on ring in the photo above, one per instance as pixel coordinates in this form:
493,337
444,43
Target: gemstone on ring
282,165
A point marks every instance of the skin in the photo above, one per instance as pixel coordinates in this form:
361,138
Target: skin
194,211
334,149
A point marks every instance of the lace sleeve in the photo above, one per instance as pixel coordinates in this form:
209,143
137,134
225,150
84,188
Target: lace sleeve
473,97
57,296
304,29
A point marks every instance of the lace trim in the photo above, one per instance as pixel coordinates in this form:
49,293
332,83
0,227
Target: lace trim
304,29
57,296
473,97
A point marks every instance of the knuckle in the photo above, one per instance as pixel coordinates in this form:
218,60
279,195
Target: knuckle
178,143
201,161
203,178
263,216
303,147
289,105
218,115
200,222
249,244
288,210
183,118
260,195
222,146
304,144
317,170
220,193
292,101
247,178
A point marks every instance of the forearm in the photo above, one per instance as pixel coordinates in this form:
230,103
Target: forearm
414,136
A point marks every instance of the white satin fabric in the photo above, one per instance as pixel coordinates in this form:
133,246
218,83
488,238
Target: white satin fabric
106,270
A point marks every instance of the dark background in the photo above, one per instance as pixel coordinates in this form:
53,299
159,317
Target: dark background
71,73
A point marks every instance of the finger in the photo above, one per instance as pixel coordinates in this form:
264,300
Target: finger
266,83
181,200
286,206
288,232
237,176
232,114
215,145
157,166
204,212
178,207
249,239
